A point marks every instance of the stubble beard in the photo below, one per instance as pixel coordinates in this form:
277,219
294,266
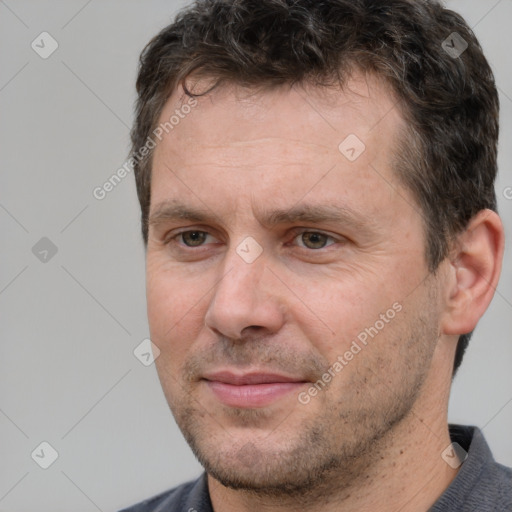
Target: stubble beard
331,449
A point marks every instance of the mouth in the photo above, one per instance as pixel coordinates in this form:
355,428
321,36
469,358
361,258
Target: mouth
251,390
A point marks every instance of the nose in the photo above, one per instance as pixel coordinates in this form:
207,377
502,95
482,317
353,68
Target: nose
245,298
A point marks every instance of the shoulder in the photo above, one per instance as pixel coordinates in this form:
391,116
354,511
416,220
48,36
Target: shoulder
495,485
481,484
492,482
184,498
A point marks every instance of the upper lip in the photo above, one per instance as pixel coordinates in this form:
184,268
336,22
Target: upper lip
236,379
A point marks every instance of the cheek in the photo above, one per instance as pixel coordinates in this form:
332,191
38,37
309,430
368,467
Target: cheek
176,309
337,312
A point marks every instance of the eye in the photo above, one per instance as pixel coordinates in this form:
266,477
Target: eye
192,238
314,240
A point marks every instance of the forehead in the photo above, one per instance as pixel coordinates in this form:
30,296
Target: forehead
285,137
304,115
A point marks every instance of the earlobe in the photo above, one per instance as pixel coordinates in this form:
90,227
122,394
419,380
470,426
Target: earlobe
475,269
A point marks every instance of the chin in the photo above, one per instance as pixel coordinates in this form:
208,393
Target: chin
275,464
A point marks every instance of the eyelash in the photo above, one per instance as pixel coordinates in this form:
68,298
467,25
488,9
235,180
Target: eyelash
174,238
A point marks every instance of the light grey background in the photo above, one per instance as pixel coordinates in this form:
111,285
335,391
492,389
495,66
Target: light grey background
68,375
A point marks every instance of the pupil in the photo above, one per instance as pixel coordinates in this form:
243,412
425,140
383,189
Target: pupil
316,240
194,237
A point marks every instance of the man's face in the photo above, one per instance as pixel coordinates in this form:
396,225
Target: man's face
274,254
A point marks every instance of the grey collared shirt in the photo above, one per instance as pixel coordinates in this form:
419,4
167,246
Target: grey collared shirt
482,485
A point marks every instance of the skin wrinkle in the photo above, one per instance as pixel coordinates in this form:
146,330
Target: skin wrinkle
272,314
281,85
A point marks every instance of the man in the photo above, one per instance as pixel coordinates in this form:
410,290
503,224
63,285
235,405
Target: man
316,184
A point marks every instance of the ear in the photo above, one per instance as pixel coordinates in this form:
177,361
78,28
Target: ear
474,271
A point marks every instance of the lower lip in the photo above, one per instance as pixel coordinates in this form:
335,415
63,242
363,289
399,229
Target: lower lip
252,395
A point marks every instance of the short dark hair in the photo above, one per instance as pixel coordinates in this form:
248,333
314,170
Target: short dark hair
427,55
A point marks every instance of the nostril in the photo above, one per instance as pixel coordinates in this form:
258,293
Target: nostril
253,328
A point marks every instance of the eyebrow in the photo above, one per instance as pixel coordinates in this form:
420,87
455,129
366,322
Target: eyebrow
169,211
314,214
